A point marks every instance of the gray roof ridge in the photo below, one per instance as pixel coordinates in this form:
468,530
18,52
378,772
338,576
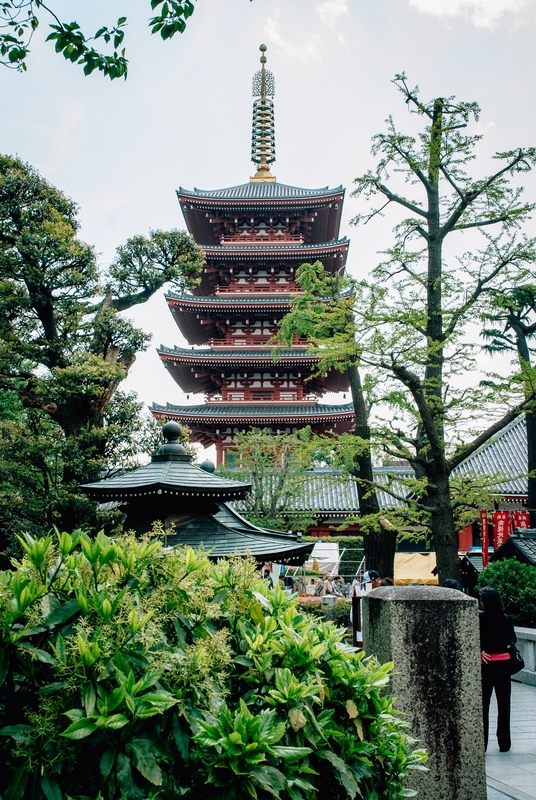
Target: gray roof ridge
196,192
274,245
520,419
229,407
238,352
232,298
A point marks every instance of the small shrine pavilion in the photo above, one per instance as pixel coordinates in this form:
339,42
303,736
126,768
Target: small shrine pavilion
255,236
192,504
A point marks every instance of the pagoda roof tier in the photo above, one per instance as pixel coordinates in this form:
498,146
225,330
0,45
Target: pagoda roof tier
228,302
194,370
277,251
206,421
256,413
221,258
192,313
201,206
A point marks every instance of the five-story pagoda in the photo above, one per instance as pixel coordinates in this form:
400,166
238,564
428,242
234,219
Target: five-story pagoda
255,236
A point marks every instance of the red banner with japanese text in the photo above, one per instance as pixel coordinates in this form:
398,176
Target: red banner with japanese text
501,527
520,519
484,532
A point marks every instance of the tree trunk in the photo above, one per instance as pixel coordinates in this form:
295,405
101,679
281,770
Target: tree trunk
379,543
443,530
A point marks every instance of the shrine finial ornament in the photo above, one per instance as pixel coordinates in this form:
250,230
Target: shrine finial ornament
263,133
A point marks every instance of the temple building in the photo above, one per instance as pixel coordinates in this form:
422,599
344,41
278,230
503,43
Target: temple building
255,237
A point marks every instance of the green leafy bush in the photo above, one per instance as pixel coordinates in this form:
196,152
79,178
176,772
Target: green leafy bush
134,674
516,583
338,613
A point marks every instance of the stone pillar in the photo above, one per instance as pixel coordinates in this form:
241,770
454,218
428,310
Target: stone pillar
432,636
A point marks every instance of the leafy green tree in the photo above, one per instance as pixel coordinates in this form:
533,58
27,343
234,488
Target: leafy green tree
323,314
168,676
516,583
276,464
515,309
65,346
20,19
412,317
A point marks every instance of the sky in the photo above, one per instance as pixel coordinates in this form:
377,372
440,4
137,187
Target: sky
120,149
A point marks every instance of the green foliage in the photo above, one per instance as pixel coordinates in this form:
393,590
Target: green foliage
19,20
168,676
65,346
516,583
277,465
414,314
339,613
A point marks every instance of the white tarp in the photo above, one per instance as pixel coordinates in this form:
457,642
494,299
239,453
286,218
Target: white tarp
326,555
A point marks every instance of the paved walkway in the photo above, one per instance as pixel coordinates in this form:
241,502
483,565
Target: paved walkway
513,774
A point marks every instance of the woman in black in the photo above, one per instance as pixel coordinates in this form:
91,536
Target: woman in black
496,634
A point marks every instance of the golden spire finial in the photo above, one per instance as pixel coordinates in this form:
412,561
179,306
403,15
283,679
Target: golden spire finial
263,133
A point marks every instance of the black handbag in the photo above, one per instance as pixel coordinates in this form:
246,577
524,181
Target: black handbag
516,659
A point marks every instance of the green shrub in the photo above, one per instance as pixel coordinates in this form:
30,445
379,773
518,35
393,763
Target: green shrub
516,583
126,672
338,613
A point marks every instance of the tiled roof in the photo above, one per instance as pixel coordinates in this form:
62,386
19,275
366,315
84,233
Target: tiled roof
232,299
237,354
259,191
227,532
521,546
504,454
252,411
300,250
169,476
327,491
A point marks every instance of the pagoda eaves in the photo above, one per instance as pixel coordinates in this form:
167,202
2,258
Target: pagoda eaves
214,423
255,237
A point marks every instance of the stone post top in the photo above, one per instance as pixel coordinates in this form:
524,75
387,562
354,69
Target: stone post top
427,594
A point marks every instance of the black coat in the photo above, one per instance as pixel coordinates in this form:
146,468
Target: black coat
496,632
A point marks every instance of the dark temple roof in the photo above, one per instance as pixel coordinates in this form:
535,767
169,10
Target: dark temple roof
505,454
275,249
174,476
254,412
259,191
239,354
521,546
226,533
231,300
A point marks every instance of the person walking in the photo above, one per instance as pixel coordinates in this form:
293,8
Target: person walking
267,576
496,635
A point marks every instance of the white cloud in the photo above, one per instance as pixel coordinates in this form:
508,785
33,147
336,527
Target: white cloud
64,135
481,13
305,50
329,12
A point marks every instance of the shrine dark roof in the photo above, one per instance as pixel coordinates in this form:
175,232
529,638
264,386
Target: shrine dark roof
231,300
172,475
273,248
329,492
521,546
259,191
503,455
240,354
254,412
226,533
